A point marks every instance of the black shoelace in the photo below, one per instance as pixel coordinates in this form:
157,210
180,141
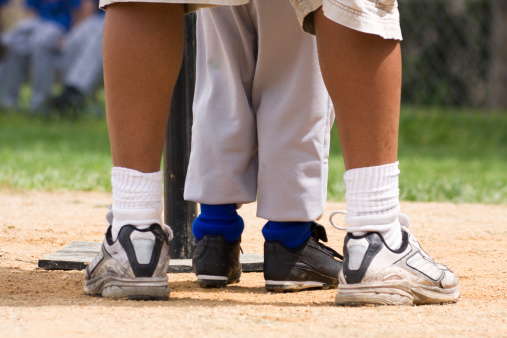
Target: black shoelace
319,234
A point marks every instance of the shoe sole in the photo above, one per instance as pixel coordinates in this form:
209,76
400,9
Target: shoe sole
135,289
208,281
395,293
292,286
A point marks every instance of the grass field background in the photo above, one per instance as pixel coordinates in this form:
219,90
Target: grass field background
445,155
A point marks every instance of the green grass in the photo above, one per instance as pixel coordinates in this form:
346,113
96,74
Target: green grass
53,155
445,155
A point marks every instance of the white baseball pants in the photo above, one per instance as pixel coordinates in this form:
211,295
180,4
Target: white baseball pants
262,114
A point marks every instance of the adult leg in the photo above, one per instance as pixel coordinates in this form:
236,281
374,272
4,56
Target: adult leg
143,47
362,73
384,264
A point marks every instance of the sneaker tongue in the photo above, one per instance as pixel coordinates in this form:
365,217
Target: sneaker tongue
403,219
169,232
318,232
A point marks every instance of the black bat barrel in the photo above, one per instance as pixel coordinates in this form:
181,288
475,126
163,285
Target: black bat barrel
179,214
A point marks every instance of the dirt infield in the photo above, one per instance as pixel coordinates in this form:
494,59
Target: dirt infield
471,239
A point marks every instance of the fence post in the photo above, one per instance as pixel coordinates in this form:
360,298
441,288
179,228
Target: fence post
180,214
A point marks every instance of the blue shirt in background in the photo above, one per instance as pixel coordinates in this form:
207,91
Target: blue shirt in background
3,2
99,11
59,11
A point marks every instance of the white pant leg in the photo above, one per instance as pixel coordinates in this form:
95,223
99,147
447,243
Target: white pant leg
44,61
293,118
223,158
83,55
292,106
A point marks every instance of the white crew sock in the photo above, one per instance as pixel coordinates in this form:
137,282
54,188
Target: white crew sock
137,199
373,204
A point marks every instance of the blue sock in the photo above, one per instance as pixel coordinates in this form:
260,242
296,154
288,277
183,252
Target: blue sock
291,234
221,219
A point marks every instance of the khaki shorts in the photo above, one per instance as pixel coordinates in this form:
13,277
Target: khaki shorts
379,17
190,5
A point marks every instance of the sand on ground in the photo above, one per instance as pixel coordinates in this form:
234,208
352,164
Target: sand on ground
470,239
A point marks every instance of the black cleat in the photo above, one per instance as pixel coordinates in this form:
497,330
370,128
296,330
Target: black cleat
216,261
311,265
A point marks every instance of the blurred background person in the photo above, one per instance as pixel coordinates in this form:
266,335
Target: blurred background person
81,60
33,48
3,49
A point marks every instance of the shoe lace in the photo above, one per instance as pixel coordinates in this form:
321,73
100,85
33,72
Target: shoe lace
319,234
341,212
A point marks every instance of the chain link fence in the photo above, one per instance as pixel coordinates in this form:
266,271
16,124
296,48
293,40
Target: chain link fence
454,51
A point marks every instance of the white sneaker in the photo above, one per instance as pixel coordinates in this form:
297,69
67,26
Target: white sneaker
133,267
373,274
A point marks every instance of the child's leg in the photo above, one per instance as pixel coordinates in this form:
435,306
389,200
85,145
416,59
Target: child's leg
238,51
293,120
223,161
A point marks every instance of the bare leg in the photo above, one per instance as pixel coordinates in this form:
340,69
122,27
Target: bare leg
362,73
143,48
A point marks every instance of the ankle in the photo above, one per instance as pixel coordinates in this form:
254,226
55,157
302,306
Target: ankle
373,202
220,219
290,234
137,199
